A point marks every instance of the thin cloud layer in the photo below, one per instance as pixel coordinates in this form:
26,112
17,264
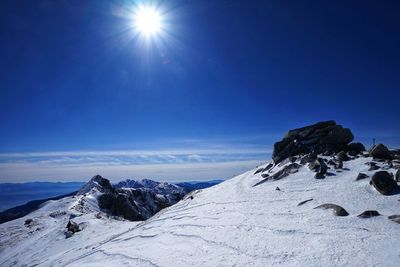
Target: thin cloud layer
167,165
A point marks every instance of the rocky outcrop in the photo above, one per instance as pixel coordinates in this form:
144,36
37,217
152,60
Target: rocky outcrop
384,182
133,200
322,137
380,151
97,182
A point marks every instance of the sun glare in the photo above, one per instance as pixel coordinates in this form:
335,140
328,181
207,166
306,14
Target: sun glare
148,21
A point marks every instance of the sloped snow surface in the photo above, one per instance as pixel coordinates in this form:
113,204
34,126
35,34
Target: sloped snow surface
231,224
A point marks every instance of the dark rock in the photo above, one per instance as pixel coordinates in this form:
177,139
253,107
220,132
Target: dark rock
383,182
324,137
319,175
323,168
338,210
339,165
314,166
395,218
305,201
119,205
73,226
361,176
285,171
369,214
371,163
342,156
28,222
331,162
264,175
258,170
397,176
356,147
308,158
269,166
374,168
68,234
380,152
277,189
318,166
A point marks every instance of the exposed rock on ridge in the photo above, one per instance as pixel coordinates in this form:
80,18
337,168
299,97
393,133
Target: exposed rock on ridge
322,137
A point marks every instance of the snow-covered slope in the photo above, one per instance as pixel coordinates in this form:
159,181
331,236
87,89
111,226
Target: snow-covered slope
231,224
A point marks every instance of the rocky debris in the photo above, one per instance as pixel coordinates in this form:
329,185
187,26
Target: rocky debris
338,210
331,162
374,168
322,137
56,214
369,214
308,158
358,148
68,234
395,218
72,228
380,152
384,182
285,171
28,222
361,176
319,166
259,170
264,175
397,176
277,189
266,168
342,156
305,201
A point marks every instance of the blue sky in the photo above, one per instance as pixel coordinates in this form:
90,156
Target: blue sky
82,93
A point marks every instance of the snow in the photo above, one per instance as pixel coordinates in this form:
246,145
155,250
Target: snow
230,224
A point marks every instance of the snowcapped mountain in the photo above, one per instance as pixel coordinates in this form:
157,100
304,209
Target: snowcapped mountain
320,202
157,187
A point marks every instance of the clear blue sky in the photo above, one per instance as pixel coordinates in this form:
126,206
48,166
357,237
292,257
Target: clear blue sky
82,94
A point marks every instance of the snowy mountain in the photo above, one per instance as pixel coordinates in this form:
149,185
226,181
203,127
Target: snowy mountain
322,201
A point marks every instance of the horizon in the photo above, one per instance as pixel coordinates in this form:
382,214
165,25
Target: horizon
202,95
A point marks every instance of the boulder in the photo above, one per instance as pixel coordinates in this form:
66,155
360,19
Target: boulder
395,218
342,156
68,234
73,227
338,210
323,137
373,168
369,214
380,152
383,182
356,147
361,176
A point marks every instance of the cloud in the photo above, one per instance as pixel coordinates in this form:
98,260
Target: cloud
166,165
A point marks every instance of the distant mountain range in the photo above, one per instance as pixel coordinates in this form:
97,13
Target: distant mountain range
20,199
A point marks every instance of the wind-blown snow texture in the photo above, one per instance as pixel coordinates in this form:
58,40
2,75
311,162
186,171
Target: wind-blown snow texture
232,223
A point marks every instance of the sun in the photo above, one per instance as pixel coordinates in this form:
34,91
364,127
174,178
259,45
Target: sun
148,21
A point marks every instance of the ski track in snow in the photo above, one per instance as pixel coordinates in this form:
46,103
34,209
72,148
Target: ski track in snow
231,224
